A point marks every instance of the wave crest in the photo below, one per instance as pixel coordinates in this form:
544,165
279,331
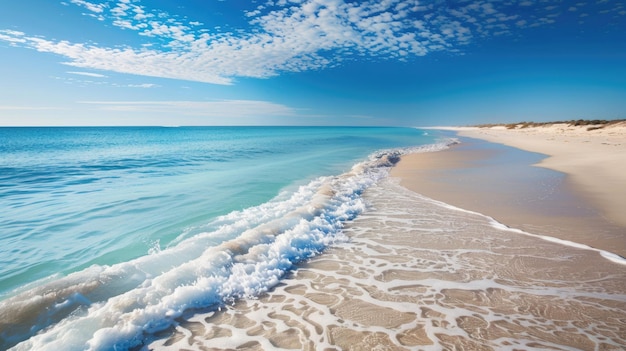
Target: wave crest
113,307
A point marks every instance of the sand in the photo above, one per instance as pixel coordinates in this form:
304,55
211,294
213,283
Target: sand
595,159
587,204
419,274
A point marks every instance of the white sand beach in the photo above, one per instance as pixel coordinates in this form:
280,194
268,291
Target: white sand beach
592,155
588,205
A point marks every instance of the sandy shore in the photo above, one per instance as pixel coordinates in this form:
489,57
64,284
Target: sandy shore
595,159
587,205
419,274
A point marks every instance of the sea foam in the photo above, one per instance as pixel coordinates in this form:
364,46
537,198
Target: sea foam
114,307
606,254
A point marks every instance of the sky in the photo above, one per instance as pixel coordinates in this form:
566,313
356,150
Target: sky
310,62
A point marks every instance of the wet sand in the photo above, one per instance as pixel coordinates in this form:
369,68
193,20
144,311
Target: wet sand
593,156
501,182
418,274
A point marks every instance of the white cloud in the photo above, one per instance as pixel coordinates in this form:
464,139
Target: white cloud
27,108
12,37
144,85
88,74
97,8
283,36
84,83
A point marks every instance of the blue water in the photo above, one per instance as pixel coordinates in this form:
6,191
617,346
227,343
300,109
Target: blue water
169,218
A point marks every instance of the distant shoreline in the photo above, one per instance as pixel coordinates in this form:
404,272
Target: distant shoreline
591,124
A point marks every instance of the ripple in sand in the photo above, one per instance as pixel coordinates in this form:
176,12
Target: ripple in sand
420,276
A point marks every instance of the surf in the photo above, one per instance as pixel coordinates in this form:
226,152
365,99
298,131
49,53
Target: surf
247,253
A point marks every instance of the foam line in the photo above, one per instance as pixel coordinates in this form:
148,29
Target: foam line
113,307
608,255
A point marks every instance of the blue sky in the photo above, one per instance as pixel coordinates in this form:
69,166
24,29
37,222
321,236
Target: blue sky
316,62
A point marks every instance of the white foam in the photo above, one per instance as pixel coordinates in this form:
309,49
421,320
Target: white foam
247,254
608,255
421,267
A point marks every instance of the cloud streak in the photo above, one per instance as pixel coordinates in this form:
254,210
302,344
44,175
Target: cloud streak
88,74
218,108
28,108
285,36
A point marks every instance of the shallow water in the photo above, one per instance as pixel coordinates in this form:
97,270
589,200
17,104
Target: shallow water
111,234
74,197
270,238
505,183
419,274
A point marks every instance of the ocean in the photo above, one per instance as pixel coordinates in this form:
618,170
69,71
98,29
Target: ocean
263,238
90,215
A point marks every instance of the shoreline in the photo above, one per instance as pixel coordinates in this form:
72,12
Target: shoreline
595,159
574,194
419,273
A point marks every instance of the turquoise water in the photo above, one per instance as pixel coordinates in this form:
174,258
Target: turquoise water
164,217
